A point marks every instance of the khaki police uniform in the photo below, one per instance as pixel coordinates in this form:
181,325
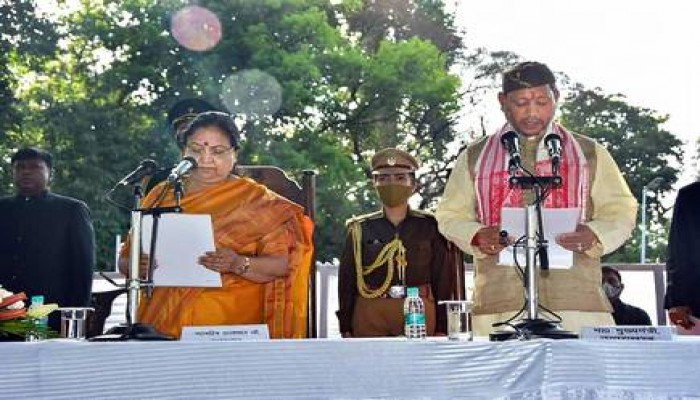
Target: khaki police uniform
367,305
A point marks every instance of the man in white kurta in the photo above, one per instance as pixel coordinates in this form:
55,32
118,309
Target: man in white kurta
469,212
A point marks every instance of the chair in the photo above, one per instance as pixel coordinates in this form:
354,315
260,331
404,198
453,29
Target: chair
457,262
279,182
102,303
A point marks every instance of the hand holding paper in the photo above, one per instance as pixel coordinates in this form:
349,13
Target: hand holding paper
581,240
557,221
224,261
489,240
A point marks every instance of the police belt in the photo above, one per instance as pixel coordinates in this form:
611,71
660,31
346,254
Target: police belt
424,291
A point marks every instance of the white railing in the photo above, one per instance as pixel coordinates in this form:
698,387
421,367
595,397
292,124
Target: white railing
640,280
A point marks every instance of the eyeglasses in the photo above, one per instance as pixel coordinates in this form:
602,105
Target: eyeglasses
218,152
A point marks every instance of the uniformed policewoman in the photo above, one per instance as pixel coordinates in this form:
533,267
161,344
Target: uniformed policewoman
389,250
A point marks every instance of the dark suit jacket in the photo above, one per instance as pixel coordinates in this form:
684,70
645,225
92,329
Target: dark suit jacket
47,247
683,258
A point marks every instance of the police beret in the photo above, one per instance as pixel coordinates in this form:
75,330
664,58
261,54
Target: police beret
187,108
526,75
393,158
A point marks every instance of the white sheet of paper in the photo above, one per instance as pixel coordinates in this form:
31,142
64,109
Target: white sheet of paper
182,238
555,220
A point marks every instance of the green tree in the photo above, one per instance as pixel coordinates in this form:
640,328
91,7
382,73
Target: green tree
24,35
641,147
98,99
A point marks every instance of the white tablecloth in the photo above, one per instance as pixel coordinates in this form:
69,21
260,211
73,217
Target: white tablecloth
351,369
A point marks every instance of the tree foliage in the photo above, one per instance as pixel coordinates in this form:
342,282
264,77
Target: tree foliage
93,83
97,83
638,142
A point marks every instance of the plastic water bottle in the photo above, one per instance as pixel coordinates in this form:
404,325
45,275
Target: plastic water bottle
41,324
414,315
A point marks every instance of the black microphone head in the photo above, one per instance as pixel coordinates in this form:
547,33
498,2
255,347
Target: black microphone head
191,160
553,143
185,165
552,136
145,168
509,137
149,165
509,140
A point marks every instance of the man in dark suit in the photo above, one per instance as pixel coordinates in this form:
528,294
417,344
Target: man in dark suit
683,258
47,243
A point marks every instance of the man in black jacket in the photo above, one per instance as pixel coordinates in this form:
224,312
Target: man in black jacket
683,258
47,243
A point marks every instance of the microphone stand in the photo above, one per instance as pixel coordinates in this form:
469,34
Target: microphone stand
534,327
134,330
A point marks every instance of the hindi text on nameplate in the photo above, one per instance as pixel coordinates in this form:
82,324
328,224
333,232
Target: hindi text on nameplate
634,333
225,333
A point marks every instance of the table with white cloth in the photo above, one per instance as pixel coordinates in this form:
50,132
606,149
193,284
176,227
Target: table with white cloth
351,369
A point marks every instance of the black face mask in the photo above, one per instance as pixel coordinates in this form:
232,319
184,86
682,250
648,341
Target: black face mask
393,195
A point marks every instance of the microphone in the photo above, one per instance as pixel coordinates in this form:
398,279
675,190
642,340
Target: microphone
553,143
510,142
147,167
184,166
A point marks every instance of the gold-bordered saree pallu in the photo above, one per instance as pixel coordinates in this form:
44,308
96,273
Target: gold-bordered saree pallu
253,221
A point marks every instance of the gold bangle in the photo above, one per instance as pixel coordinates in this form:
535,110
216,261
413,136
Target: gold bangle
245,267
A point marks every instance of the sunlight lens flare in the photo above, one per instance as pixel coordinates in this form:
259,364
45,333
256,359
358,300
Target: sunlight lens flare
196,28
252,92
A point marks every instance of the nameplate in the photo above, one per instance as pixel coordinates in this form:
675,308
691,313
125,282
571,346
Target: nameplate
225,333
628,333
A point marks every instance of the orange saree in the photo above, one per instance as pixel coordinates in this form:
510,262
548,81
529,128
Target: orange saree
253,221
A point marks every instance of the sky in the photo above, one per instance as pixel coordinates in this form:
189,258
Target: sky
646,50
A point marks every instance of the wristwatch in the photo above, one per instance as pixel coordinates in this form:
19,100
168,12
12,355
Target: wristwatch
245,267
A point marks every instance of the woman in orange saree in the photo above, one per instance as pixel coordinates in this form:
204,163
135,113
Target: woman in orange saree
263,244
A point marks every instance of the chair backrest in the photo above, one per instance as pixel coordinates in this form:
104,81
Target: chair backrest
457,262
102,303
305,195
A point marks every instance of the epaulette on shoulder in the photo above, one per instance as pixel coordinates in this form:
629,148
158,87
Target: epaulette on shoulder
364,217
421,213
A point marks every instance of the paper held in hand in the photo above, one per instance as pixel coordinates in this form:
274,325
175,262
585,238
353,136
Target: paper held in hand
181,239
555,220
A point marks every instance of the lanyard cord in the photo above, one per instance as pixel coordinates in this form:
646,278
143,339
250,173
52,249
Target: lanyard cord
393,254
